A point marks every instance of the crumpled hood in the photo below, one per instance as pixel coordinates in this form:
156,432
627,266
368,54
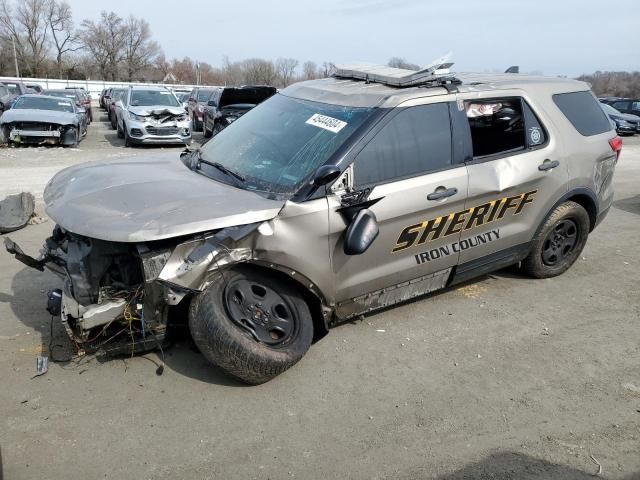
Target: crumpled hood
29,115
157,111
148,198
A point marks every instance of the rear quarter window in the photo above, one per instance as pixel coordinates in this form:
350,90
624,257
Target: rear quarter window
583,111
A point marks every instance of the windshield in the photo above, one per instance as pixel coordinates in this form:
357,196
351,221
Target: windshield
62,94
203,95
44,103
152,98
609,109
280,143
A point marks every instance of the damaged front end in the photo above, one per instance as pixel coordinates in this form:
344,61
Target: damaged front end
115,297
40,133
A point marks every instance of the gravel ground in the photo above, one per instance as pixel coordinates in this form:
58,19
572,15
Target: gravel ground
504,377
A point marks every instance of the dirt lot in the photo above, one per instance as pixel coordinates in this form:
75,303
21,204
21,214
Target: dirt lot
504,377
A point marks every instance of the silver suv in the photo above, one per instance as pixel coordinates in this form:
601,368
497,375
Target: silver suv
333,198
151,115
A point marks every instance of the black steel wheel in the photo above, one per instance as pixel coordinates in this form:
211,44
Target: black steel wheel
559,242
251,323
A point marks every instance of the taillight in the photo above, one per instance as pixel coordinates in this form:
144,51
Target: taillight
616,146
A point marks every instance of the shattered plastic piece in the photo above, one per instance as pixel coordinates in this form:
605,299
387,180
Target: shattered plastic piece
42,365
16,211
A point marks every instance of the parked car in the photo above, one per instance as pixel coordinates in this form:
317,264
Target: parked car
331,199
16,89
100,97
75,95
624,105
227,104
625,124
36,88
6,98
85,100
152,115
104,102
43,119
115,95
195,105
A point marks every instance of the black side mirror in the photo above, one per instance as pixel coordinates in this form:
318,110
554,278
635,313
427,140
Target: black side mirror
361,233
325,175
211,103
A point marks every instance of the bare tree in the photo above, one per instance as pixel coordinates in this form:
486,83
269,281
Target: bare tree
398,62
309,70
258,71
286,69
105,40
328,69
27,27
65,39
140,50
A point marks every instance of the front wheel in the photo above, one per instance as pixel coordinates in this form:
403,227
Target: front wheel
559,242
251,324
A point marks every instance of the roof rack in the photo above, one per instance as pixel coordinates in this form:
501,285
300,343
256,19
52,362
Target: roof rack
435,74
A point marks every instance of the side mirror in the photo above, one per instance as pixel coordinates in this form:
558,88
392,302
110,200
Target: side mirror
361,233
325,175
211,103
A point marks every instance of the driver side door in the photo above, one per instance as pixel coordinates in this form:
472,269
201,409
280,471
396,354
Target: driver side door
414,180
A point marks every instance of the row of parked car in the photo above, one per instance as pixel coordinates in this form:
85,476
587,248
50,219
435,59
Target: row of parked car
158,115
624,113
33,115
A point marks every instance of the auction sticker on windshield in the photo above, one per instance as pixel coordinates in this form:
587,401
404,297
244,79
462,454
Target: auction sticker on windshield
328,123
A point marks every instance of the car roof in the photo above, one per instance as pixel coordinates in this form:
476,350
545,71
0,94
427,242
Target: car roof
147,87
359,93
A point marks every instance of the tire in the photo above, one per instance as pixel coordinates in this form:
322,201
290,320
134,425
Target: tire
214,325
205,132
119,130
127,140
559,242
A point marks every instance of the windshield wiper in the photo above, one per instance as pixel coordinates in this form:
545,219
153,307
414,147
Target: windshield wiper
219,166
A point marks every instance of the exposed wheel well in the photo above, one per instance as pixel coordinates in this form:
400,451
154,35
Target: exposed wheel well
589,205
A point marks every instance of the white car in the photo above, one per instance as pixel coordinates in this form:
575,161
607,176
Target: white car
152,115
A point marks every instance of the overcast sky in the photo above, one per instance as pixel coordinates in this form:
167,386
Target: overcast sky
566,37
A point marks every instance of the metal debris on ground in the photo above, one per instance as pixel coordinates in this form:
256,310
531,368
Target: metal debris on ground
42,365
16,211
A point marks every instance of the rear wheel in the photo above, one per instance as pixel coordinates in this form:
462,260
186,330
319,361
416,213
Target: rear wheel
251,324
559,242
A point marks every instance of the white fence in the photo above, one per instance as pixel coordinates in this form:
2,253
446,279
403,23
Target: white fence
94,87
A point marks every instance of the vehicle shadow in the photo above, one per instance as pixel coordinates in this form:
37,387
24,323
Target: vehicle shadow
514,465
29,301
631,204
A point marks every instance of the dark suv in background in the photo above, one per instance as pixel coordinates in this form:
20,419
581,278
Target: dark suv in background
623,105
227,104
625,123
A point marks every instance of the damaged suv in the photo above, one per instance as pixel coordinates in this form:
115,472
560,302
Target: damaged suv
333,198
151,115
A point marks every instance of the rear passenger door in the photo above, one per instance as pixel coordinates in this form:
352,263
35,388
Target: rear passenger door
516,174
415,179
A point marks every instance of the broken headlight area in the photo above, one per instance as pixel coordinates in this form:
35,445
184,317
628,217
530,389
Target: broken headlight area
115,297
39,133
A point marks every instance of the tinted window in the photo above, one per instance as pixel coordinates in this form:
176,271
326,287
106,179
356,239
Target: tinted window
621,105
583,111
152,98
416,140
635,106
203,95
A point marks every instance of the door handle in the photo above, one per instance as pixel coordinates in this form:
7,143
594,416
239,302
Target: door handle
442,192
548,165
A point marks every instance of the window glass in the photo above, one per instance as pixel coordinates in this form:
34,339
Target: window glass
620,105
416,140
536,135
152,98
497,125
635,106
583,111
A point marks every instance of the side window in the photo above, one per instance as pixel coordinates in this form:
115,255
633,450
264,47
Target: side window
620,105
415,141
498,125
535,132
635,106
583,111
